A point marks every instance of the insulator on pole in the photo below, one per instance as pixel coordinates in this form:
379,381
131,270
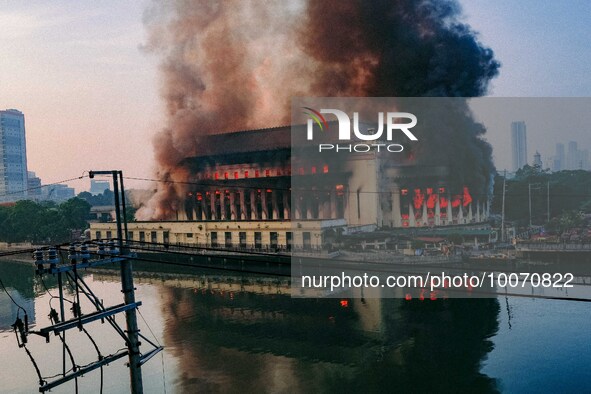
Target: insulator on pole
52,257
38,256
72,253
84,255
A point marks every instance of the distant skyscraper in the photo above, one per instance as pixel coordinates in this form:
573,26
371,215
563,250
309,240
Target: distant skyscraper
537,159
519,144
13,156
560,158
573,156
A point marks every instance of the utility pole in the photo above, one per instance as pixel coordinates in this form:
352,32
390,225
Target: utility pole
503,208
79,257
135,371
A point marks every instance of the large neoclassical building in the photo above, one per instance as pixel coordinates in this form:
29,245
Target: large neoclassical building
252,189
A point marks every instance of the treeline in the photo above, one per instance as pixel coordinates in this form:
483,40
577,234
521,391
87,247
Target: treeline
44,222
567,192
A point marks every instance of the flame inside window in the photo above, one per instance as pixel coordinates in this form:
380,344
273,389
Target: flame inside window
418,199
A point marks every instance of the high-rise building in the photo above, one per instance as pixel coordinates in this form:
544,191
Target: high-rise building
519,144
33,186
13,156
559,158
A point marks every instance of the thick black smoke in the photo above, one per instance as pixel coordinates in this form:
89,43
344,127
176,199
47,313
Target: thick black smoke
234,65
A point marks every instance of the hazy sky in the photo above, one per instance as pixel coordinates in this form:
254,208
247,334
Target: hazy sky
90,93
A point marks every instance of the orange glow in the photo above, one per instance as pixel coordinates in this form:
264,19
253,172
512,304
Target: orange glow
344,303
216,176
269,190
225,175
467,197
235,174
432,200
313,169
246,174
325,169
418,199
429,190
408,297
456,201
443,202
441,190
340,190
256,173
404,192
267,172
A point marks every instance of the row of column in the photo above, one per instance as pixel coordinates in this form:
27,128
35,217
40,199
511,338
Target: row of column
481,213
261,205
321,205
264,205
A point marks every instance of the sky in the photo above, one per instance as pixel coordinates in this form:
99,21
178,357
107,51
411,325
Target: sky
90,92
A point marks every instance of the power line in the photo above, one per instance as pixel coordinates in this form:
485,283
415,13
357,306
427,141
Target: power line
42,186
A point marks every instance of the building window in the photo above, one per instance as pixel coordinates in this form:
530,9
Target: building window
214,239
228,239
307,240
142,236
153,237
109,234
288,239
166,237
130,235
274,240
242,239
189,235
258,240
98,235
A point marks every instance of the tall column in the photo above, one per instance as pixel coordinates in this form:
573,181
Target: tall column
396,214
450,218
254,215
411,216
242,205
274,206
461,214
298,205
309,200
286,205
265,213
470,216
437,212
204,209
232,205
425,218
223,205
212,199
478,211
333,205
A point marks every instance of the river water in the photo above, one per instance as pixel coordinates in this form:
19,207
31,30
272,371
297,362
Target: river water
228,333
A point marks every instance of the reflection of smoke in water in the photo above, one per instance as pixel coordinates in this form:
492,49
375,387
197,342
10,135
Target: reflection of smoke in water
234,65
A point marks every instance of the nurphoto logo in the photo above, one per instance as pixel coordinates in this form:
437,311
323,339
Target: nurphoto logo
390,125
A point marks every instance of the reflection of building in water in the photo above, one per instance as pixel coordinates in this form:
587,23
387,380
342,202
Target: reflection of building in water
230,339
249,189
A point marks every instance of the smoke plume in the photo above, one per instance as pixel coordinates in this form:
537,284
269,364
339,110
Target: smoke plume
234,65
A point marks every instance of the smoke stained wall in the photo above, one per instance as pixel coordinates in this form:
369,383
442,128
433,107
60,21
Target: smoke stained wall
235,65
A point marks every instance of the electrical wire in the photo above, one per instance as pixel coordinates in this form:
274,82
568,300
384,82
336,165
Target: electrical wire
42,186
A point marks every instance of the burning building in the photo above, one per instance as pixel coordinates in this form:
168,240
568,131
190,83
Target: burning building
248,189
235,65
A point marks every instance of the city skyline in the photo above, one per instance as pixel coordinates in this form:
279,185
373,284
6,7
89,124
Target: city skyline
90,91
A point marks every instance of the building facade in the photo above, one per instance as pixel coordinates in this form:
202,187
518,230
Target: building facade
251,190
13,156
519,144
